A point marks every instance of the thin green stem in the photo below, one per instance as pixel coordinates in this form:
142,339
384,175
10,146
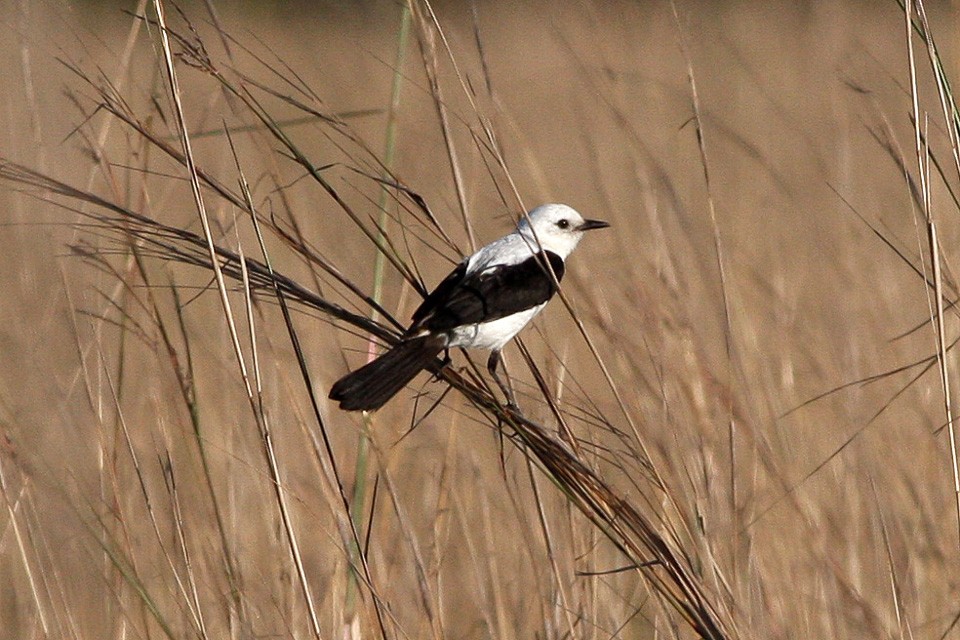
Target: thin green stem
358,502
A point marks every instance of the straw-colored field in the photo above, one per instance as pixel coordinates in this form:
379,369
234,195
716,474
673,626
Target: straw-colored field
742,277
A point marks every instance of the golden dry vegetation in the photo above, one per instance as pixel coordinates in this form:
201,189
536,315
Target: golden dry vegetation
137,497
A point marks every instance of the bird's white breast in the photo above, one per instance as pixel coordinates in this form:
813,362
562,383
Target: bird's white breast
493,334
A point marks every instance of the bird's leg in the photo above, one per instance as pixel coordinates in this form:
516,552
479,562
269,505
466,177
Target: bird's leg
492,363
446,360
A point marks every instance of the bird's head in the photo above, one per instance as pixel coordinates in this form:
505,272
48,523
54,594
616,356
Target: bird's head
556,227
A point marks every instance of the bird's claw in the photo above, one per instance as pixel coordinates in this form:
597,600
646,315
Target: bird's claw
443,365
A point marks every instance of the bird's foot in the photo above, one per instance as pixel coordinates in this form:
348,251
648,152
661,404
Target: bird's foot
444,364
492,363
507,416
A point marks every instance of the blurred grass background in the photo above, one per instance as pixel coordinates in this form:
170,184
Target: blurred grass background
835,520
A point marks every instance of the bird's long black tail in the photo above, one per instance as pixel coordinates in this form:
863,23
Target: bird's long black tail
370,386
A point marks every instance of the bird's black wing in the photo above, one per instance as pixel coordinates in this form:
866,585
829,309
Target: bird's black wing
496,292
441,293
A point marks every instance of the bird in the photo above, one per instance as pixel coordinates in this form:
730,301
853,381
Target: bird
483,303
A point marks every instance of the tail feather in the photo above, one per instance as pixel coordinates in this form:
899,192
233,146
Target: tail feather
370,386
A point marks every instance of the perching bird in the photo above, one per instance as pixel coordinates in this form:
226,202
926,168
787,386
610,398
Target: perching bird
483,303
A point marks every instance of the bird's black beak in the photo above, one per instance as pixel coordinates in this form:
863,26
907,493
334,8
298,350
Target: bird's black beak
593,224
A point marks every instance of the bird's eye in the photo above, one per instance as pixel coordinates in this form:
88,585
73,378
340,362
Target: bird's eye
563,224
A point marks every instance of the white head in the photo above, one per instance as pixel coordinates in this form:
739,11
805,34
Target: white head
556,227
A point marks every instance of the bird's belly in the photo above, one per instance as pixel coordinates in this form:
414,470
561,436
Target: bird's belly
494,334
